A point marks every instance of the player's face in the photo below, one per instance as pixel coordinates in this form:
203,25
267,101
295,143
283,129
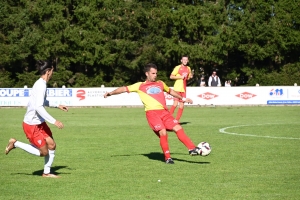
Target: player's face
50,73
151,74
184,60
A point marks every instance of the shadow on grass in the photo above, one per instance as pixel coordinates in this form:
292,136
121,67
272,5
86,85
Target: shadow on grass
160,157
40,172
184,123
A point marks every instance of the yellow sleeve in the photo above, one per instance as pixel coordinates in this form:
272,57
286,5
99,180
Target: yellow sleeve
166,88
133,88
175,70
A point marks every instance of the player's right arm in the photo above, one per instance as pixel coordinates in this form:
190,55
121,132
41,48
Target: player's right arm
116,91
130,88
175,74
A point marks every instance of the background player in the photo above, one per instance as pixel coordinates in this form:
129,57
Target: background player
34,125
151,93
181,74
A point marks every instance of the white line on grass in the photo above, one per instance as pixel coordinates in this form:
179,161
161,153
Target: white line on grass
222,130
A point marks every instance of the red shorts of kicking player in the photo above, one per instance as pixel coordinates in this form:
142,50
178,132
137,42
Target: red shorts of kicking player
37,134
160,119
183,94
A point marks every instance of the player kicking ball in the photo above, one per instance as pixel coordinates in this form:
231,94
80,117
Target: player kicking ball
34,125
151,93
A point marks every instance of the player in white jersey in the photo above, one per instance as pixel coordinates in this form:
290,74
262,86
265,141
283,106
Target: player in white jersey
34,125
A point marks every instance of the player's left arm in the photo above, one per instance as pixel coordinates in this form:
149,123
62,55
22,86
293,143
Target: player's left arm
178,96
191,73
55,105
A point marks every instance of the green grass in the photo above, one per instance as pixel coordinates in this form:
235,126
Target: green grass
111,153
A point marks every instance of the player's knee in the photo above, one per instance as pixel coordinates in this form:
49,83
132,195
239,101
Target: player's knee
44,152
177,128
52,146
163,132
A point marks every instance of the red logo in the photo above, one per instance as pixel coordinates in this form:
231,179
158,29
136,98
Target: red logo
245,95
80,94
207,95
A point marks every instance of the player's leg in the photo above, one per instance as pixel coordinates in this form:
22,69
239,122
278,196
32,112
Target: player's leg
181,106
156,124
175,104
50,149
172,124
193,149
180,110
29,130
163,137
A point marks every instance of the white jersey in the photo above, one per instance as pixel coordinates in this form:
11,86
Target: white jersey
36,113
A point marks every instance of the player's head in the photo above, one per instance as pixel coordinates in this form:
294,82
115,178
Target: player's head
45,67
184,60
151,72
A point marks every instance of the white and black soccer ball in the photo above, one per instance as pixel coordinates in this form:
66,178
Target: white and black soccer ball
205,148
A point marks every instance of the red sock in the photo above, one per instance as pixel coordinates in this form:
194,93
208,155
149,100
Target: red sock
185,139
165,146
179,113
172,109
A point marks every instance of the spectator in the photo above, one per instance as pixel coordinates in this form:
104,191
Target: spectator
214,80
228,83
202,81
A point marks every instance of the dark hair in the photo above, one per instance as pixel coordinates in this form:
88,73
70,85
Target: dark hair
149,66
43,66
184,56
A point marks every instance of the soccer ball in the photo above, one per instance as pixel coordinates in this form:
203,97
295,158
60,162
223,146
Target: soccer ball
205,148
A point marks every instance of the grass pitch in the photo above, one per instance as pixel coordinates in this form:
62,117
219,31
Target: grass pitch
111,153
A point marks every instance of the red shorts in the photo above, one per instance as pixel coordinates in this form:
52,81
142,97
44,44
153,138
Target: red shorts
183,94
160,119
37,134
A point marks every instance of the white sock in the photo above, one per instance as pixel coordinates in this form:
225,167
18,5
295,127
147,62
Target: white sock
27,147
48,161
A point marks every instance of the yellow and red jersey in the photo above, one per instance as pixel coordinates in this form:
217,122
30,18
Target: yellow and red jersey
181,70
151,94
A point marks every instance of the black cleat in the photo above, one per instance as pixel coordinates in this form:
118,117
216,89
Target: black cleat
169,161
194,152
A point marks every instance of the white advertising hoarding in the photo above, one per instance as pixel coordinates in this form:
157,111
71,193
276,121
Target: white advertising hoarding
269,95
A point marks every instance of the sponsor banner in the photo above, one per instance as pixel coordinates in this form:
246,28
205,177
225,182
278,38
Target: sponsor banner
199,95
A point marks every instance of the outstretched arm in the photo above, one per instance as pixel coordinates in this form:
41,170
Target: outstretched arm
175,94
116,91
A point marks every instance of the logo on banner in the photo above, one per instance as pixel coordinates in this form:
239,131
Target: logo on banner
207,96
245,95
59,92
14,93
80,94
276,92
294,94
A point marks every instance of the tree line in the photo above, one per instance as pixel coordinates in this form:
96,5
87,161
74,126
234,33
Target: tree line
106,42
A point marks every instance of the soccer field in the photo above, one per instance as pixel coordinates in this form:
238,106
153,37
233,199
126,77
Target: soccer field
111,153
